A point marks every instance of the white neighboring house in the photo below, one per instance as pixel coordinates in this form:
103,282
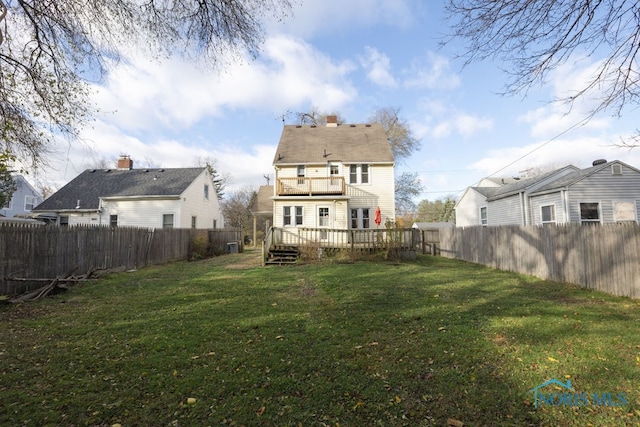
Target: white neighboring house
24,199
606,192
333,177
150,198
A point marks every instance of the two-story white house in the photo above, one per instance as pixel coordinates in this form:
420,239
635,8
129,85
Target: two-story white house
148,197
333,177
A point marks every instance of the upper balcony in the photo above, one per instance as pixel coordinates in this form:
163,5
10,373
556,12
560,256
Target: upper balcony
303,186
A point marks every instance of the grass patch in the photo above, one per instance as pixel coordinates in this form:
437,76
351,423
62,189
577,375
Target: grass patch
324,344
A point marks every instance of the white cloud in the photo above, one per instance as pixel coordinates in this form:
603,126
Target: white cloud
440,121
173,94
580,152
311,18
432,72
378,68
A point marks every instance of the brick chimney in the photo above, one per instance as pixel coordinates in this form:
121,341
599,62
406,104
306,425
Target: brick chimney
332,121
125,163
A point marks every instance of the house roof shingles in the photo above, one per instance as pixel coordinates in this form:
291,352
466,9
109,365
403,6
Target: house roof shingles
93,184
344,143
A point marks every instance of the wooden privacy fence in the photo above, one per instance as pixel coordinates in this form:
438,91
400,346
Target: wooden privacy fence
601,257
48,252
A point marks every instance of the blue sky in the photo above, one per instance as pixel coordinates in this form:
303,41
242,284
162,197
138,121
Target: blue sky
350,57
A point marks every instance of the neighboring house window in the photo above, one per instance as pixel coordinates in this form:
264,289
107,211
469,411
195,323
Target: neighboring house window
548,214
167,221
206,191
113,220
29,201
64,221
215,224
301,174
360,218
292,213
624,211
358,174
483,216
323,217
193,221
8,205
589,213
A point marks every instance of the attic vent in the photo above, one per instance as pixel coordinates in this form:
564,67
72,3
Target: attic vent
616,169
92,171
160,170
146,170
107,170
352,126
313,126
599,162
298,126
368,125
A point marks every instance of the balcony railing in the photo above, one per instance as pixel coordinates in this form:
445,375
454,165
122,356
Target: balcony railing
311,186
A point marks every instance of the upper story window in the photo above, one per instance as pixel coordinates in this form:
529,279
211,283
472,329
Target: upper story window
206,191
589,213
301,171
29,201
358,174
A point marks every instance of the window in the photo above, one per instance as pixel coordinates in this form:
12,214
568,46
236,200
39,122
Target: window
8,205
301,174
548,214
113,220
215,224
292,213
624,211
323,217
483,216
64,221
193,221
364,174
358,174
360,218
206,191
334,171
167,221
29,201
589,213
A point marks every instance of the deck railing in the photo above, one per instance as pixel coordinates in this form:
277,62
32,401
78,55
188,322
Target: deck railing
378,238
303,186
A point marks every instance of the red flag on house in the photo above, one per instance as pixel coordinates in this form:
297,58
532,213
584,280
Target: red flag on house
378,218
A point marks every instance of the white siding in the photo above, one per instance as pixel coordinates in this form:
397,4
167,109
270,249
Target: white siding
554,199
379,192
468,208
193,203
505,211
605,188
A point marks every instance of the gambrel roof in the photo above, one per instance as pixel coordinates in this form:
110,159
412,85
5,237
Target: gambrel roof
361,143
90,186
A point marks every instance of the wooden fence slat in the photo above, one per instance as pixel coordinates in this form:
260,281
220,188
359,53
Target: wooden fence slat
604,257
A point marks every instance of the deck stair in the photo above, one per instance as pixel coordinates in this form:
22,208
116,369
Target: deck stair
280,255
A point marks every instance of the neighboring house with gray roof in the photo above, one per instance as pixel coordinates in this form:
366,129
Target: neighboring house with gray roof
23,200
603,193
333,177
150,197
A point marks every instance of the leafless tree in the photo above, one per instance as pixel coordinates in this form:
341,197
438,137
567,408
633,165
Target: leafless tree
399,133
50,50
535,37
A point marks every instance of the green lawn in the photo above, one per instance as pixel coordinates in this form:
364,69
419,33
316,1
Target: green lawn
325,344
